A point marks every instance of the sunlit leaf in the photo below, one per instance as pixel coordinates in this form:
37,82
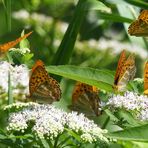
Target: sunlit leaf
100,78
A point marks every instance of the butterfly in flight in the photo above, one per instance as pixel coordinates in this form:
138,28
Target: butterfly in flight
140,26
5,47
125,71
42,87
146,79
85,99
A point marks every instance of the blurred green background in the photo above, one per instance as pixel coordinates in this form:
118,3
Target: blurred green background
102,35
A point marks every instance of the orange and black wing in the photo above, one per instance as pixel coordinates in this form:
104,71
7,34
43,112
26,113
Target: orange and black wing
5,47
42,87
85,99
146,79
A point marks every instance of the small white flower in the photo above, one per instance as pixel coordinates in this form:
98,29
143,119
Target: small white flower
50,122
131,102
19,78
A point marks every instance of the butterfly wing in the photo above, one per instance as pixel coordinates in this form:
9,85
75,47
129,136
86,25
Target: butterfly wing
138,28
127,73
85,99
5,47
42,87
144,16
121,61
146,79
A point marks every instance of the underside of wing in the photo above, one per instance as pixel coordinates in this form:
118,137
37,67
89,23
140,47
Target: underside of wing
119,66
138,28
47,92
38,76
146,79
85,99
42,87
127,73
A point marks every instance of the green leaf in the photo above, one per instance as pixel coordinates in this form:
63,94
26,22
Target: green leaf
44,143
139,133
114,17
24,43
64,52
76,136
102,79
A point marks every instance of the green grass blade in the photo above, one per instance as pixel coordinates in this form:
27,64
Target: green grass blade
66,47
114,17
138,3
7,6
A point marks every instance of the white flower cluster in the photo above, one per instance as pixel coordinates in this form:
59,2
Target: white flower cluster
50,121
117,47
131,101
19,78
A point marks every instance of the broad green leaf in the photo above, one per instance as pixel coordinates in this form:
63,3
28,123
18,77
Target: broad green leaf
102,79
139,133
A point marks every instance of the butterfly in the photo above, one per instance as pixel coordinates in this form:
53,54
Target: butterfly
42,87
125,71
140,26
146,79
5,47
85,99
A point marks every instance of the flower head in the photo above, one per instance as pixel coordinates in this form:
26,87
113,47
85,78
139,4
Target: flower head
50,121
19,78
131,101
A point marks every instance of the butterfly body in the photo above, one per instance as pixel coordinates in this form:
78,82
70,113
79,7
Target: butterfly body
42,87
146,79
140,26
125,71
85,99
5,47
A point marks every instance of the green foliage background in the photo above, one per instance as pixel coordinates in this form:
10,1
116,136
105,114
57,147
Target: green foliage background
88,21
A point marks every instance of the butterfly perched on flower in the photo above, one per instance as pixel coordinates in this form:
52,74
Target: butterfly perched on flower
140,26
5,47
146,79
85,99
42,87
125,71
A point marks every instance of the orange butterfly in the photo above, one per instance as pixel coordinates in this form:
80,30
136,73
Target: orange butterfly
5,47
85,99
146,79
140,26
125,71
42,87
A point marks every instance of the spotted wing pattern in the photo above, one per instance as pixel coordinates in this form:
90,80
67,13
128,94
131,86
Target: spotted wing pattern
85,99
140,26
146,79
42,87
125,73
